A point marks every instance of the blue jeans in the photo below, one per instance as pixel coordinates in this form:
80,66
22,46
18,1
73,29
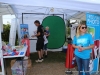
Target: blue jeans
82,64
45,47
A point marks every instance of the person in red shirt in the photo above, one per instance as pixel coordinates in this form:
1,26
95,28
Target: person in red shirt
26,41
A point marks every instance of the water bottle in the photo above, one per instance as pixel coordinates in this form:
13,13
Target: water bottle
79,48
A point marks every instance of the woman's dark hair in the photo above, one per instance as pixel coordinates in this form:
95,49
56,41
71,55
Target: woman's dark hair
25,36
83,23
37,21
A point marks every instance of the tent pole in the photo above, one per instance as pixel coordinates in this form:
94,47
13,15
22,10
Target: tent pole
22,18
63,16
39,14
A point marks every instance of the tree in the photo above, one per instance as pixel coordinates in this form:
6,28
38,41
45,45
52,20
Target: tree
6,32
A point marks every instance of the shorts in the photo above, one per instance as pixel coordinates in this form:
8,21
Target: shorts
40,44
45,47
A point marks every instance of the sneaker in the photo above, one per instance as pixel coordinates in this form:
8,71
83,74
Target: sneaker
39,60
25,57
42,59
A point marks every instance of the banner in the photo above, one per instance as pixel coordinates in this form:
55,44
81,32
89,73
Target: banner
24,30
93,23
94,63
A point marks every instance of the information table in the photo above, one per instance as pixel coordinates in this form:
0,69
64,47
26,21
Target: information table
24,49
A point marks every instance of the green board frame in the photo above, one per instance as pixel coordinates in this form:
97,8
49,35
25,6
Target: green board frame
57,31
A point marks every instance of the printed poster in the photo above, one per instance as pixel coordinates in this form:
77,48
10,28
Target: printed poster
24,30
91,30
93,66
93,23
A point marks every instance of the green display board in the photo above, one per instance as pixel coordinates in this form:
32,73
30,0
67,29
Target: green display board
57,31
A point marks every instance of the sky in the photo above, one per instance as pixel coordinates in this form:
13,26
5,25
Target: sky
7,18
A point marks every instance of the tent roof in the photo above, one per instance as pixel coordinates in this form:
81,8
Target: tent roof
74,9
19,9
5,9
90,1
78,5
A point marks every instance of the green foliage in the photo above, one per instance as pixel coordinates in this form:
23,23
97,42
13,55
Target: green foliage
68,31
16,41
83,22
6,33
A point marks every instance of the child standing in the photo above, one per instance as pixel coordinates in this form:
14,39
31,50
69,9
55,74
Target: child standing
47,32
45,44
27,42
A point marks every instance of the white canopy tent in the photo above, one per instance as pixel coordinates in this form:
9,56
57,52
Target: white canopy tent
5,9
72,9
45,6
67,7
78,5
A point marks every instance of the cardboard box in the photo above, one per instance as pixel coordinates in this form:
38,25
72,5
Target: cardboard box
12,62
17,68
29,65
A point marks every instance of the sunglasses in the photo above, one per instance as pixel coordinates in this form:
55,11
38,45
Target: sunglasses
84,27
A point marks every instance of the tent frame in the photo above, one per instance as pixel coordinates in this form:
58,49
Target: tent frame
39,14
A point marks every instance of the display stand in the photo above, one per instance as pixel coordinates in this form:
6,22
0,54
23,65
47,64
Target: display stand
93,24
17,56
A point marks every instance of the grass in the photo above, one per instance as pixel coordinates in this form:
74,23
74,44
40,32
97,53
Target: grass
53,57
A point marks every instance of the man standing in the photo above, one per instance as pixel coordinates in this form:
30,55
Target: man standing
40,40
